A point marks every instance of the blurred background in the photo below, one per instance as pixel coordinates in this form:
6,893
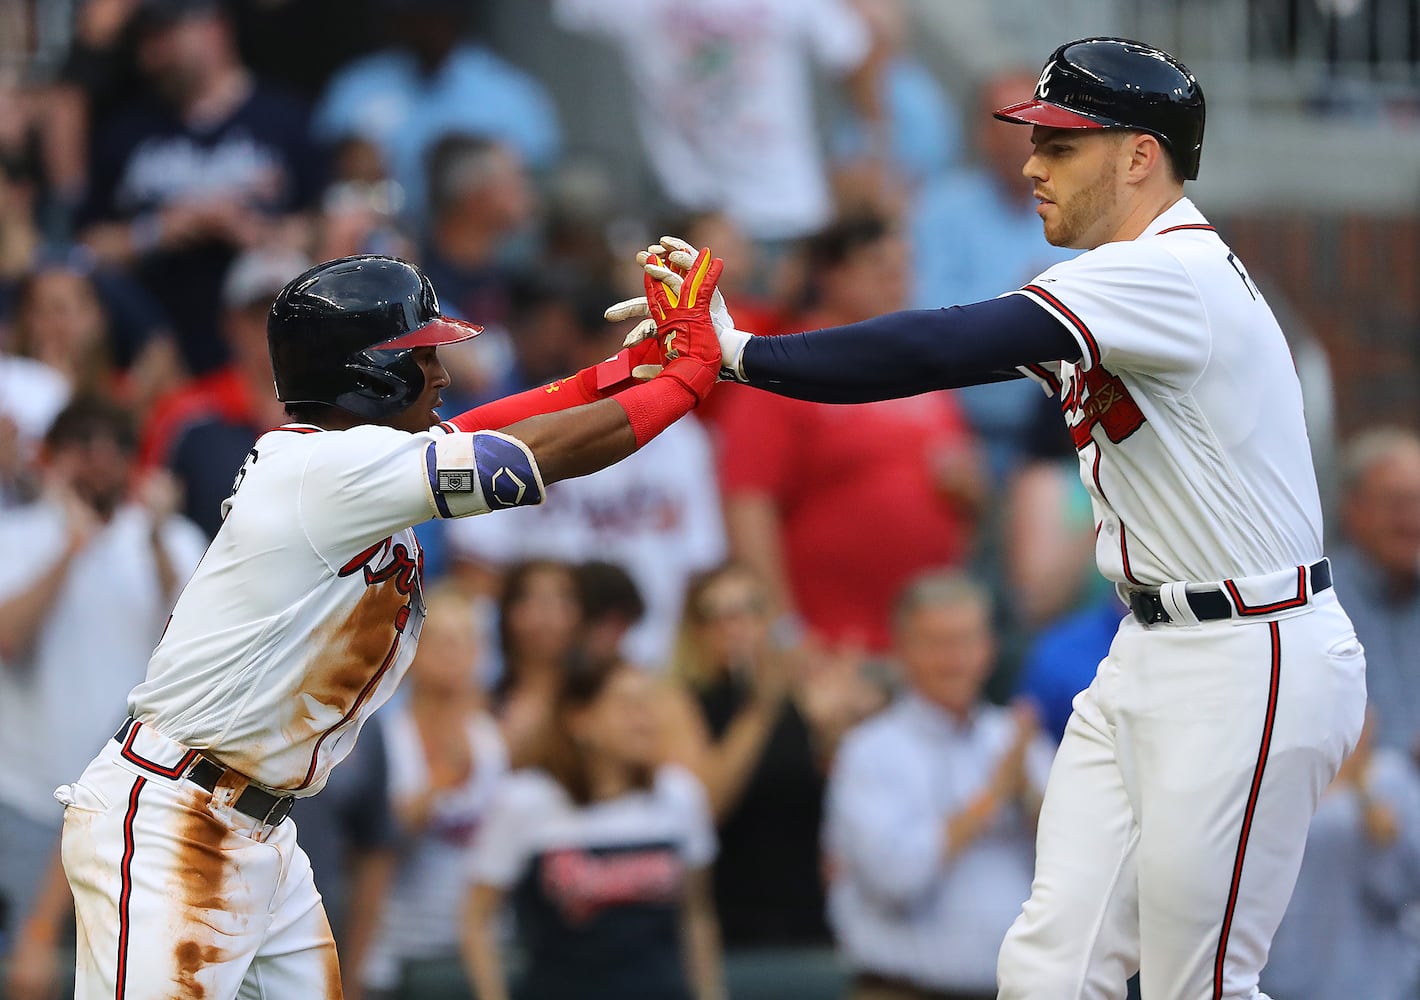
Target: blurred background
763,711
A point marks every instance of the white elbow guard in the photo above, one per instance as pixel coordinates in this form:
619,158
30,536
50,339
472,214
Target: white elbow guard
484,471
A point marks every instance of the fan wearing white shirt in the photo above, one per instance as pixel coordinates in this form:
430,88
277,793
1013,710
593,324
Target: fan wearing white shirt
931,811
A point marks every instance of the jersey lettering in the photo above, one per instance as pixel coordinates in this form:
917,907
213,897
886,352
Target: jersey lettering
402,567
584,882
1098,397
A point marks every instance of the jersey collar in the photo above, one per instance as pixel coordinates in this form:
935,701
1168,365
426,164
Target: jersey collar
1181,213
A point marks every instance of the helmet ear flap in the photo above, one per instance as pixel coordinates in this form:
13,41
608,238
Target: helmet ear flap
379,391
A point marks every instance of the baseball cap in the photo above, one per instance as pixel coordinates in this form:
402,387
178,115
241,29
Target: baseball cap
258,275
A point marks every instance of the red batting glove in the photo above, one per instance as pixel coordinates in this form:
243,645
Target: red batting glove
683,325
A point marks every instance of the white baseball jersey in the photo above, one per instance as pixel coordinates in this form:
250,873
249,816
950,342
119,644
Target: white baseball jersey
1177,807
306,610
1185,408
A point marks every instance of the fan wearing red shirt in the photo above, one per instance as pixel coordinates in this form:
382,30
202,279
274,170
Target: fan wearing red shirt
838,506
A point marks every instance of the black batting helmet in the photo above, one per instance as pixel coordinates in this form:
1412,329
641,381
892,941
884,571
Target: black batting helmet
344,333
1118,83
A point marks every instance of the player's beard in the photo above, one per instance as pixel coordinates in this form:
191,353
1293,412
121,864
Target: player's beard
1085,210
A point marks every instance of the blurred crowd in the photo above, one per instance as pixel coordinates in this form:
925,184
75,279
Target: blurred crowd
763,711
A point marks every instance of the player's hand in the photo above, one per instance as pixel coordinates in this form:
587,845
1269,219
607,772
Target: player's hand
669,261
681,311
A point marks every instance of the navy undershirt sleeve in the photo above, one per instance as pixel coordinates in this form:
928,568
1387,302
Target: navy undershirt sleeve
906,353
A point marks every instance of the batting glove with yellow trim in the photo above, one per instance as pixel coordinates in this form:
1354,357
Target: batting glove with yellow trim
668,261
680,308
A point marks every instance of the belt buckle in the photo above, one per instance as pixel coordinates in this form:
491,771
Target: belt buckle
1148,608
279,810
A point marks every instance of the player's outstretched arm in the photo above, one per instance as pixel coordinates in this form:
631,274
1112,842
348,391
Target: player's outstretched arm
898,354
636,363
582,439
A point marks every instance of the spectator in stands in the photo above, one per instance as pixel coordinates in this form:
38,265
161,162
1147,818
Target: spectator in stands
746,720
838,506
539,627
445,760
20,236
361,206
481,199
203,431
62,319
975,234
1063,659
920,133
215,162
724,99
1377,574
433,81
611,606
657,515
1048,523
91,579
931,811
605,853
1348,931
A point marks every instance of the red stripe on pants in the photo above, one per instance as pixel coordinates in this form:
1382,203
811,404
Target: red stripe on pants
125,873
1252,797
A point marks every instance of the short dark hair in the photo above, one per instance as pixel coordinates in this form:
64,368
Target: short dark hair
309,413
91,417
833,246
606,589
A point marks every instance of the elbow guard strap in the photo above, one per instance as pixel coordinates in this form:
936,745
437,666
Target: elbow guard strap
480,472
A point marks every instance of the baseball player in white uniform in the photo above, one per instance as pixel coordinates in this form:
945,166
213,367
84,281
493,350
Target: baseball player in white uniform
1179,801
304,614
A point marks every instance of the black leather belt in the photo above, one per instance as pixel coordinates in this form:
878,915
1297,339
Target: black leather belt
257,803
1214,605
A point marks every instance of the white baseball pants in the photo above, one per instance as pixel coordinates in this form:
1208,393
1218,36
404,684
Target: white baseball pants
1178,806
176,894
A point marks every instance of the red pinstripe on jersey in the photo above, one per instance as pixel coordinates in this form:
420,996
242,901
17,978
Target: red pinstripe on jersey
1072,319
1123,548
1250,810
1124,552
125,892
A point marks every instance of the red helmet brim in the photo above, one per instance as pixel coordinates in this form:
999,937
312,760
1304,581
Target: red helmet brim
443,330
1037,112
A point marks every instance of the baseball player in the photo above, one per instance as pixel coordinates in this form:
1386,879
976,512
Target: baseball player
1178,804
304,614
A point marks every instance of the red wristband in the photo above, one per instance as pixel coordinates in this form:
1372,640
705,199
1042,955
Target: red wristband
655,405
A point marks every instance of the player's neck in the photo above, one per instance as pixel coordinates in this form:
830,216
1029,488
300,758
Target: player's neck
1147,206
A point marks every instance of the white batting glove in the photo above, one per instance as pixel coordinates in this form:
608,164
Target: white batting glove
680,255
